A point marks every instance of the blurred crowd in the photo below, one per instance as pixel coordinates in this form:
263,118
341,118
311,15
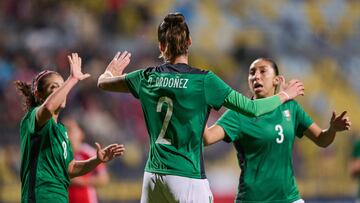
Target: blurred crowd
314,40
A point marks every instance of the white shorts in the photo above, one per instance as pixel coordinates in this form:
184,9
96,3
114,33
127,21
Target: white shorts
299,201
175,189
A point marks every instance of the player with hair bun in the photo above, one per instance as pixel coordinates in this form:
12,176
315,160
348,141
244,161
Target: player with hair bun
176,100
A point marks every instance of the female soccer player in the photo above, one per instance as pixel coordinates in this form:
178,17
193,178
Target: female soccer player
47,162
264,143
176,100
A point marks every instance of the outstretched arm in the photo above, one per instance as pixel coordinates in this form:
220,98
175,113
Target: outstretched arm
324,137
113,79
97,179
237,102
79,168
213,135
56,98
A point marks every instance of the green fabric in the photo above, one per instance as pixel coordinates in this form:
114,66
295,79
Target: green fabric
238,102
184,99
216,90
50,177
264,147
356,149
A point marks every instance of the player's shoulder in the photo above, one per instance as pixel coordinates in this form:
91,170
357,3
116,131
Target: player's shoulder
180,68
27,115
195,70
233,114
291,104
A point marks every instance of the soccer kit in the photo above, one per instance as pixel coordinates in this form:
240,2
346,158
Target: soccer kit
45,157
264,149
176,100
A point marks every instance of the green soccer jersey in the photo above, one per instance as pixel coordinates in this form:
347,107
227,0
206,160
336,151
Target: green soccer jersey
176,101
356,155
264,149
45,156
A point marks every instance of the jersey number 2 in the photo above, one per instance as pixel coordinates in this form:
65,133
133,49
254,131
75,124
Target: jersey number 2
279,130
169,111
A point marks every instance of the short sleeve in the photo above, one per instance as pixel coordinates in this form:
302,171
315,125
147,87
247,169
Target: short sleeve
216,90
229,121
133,81
302,120
29,121
70,152
356,149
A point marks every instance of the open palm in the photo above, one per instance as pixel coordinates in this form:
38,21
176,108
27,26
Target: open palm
119,63
110,152
340,122
75,67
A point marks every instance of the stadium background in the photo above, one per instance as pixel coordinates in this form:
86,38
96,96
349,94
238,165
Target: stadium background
317,41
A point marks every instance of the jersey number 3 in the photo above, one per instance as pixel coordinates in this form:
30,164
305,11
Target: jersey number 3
161,138
279,130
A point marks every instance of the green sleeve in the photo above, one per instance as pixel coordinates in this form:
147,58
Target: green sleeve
356,149
302,120
31,120
238,102
30,123
133,81
69,150
216,90
230,123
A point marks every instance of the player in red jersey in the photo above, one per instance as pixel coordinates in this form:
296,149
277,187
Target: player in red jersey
83,189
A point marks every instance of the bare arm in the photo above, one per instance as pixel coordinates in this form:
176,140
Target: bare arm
213,135
95,180
113,78
56,98
79,168
324,137
239,103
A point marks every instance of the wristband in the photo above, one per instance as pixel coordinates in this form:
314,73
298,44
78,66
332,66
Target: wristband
109,73
288,97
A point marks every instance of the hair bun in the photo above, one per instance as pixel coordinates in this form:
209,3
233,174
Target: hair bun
174,18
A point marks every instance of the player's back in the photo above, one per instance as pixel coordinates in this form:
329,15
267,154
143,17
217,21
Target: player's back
176,102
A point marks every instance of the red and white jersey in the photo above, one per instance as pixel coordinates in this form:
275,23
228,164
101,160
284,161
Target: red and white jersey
85,194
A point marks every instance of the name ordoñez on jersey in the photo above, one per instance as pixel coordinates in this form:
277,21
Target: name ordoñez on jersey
162,81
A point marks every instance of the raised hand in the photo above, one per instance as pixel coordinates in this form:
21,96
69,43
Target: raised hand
339,122
110,152
282,83
119,63
75,67
293,88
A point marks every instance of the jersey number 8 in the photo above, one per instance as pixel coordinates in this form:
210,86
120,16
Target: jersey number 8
65,150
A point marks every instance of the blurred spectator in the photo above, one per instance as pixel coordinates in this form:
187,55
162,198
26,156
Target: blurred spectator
82,189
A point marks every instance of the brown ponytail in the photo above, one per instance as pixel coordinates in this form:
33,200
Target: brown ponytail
26,91
174,33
